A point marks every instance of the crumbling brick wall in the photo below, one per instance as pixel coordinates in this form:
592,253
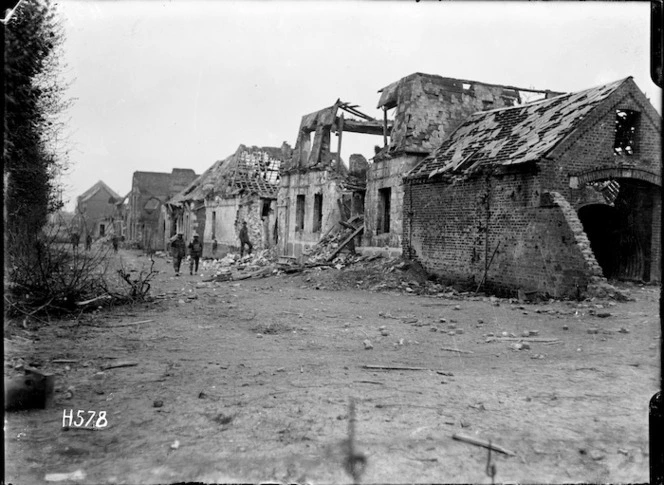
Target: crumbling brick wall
453,230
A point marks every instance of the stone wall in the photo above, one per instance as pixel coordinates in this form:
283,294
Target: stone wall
293,241
382,174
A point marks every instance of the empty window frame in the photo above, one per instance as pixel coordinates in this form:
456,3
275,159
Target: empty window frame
214,225
318,212
626,127
383,222
299,213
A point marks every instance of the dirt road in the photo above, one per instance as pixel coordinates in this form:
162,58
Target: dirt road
250,381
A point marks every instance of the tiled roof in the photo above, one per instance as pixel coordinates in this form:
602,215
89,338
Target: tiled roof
250,170
513,135
96,188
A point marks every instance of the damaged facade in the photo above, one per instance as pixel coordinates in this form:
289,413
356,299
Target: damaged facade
427,108
549,197
149,191
242,187
317,190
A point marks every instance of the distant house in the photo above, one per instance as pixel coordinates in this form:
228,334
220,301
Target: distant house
548,197
242,187
95,209
149,191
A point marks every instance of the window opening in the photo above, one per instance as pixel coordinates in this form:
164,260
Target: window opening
299,213
383,223
318,212
626,125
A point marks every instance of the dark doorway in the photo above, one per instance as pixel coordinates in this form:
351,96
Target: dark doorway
620,235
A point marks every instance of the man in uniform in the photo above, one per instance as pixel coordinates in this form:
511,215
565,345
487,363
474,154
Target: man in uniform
195,253
178,252
244,239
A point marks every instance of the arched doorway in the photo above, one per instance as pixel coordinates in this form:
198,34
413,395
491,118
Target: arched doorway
621,234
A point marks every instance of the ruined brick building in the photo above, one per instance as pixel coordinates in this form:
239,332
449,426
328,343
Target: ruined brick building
317,190
242,187
426,109
548,197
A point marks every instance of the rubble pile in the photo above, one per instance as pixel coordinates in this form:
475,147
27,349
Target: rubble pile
326,248
233,267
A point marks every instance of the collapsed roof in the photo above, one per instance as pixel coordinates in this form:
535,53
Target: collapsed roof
515,135
249,171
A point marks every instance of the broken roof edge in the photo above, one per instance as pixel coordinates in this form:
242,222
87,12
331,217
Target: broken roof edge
390,92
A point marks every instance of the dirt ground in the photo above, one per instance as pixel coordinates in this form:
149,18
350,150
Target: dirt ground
255,378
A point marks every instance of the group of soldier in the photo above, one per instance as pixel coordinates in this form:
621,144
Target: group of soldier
195,248
76,240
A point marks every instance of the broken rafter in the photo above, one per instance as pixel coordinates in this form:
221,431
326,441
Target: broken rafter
346,241
372,127
352,110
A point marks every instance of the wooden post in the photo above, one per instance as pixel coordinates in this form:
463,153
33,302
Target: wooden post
340,132
384,126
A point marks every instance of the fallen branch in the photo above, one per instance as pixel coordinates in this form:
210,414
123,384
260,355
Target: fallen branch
523,339
120,364
86,302
129,324
450,349
483,443
392,367
64,361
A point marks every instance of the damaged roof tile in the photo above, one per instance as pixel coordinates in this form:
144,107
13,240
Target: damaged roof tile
513,135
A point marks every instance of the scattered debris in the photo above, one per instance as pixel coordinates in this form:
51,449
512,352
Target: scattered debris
449,349
367,345
158,403
61,477
122,363
175,445
392,367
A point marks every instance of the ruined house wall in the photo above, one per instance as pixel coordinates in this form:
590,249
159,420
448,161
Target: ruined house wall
430,107
293,241
592,148
228,216
542,246
382,174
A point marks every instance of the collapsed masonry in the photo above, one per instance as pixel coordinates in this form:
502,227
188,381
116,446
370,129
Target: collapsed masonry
241,188
317,190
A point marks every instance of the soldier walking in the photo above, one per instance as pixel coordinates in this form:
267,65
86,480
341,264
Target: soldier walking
178,252
195,253
244,239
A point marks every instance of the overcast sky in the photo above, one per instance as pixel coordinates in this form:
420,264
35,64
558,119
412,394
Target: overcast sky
159,85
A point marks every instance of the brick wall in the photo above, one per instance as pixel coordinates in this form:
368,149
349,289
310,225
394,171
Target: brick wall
453,230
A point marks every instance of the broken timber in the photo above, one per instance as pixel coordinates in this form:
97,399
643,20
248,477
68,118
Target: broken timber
479,442
450,349
345,243
392,367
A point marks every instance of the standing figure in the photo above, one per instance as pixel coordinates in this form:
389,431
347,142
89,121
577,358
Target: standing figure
244,239
115,240
178,252
195,253
75,238
88,242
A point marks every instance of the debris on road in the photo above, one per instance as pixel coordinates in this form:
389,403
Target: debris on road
482,443
367,345
391,367
122,363
450,349
61,477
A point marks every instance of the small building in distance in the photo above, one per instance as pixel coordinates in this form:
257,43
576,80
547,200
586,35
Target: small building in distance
149,191
94,211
